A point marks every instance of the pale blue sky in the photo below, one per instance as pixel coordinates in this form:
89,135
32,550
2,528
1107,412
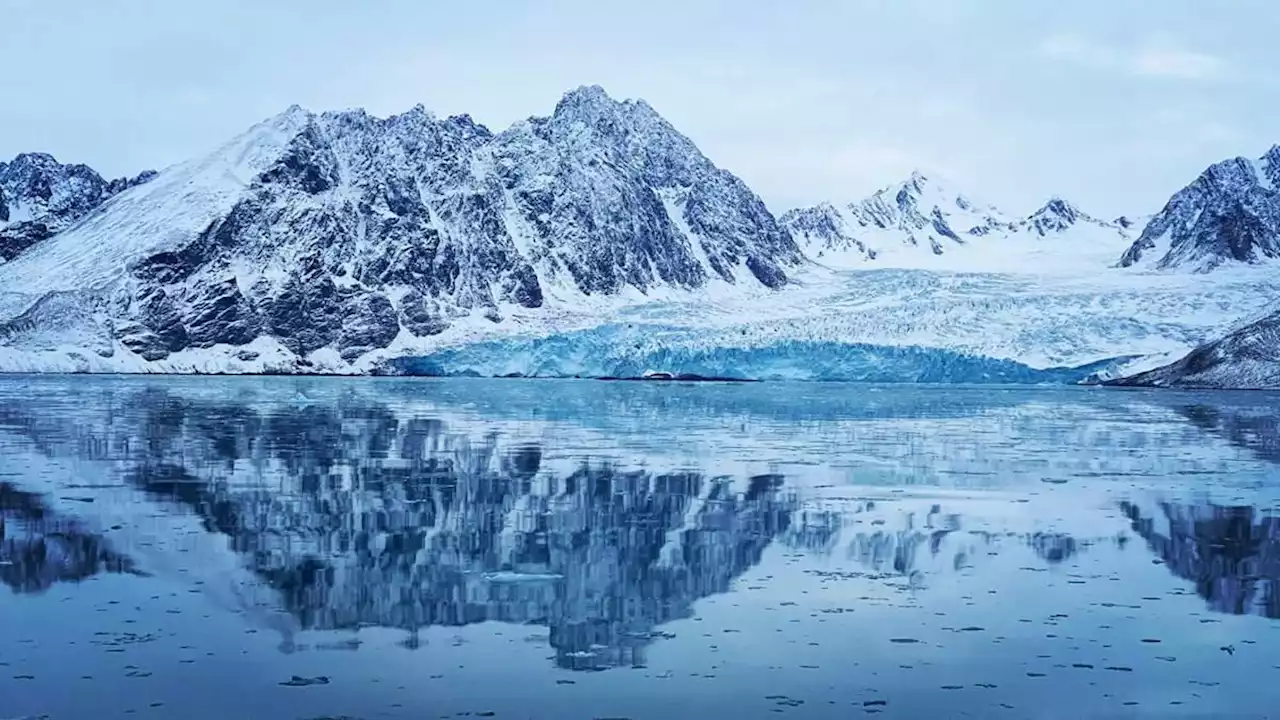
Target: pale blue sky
1114,104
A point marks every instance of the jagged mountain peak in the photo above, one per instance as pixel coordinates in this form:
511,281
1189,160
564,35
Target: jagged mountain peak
30,168
291,120
923,218
32,160
1231,174
1060,209
1059,215
40,196
917,181
586,94
592,96
296,112
1059,205
592,103
921,215
1229,214
344,233
1270,166
587,100
930,188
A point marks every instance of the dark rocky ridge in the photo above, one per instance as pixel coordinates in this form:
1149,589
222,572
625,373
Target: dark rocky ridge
361,228
1231,213
49,196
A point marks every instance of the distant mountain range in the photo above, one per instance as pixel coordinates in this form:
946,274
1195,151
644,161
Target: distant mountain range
333,241
925,221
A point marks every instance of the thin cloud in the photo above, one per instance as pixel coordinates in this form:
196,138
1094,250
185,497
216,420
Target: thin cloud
1079,51
1181,64
1148,60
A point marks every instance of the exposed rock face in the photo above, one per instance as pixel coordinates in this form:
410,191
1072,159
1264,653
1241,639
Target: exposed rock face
825,229
17,237
369,322
40,197
1056,216
1246,358
346,228
220,313
1230,214
918,213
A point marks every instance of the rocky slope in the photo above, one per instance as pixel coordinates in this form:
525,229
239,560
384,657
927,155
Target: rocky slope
1230,214
40,197
922,218
1248,357
341,232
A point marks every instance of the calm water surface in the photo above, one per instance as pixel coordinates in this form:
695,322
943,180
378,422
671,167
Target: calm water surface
320,548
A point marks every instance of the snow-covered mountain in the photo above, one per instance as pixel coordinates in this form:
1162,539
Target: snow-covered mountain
40,197
1248,357
596,241
925,222
341,232
1230,214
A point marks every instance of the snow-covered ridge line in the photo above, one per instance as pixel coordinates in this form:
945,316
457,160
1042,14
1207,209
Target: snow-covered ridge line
925,222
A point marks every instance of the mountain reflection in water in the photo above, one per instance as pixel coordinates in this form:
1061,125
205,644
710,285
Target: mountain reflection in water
353,516
350,510
1231,554
39,548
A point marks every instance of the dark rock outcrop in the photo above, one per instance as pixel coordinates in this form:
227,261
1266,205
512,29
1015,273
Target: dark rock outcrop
1230,214
1247,358
368,322
220,313
40,197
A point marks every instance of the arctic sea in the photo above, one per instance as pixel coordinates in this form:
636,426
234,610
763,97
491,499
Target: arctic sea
281,547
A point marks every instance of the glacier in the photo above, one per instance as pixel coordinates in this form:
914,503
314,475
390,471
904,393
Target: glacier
887,325
630,352
826,324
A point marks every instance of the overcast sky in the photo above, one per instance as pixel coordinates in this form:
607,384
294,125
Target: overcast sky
1114,104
